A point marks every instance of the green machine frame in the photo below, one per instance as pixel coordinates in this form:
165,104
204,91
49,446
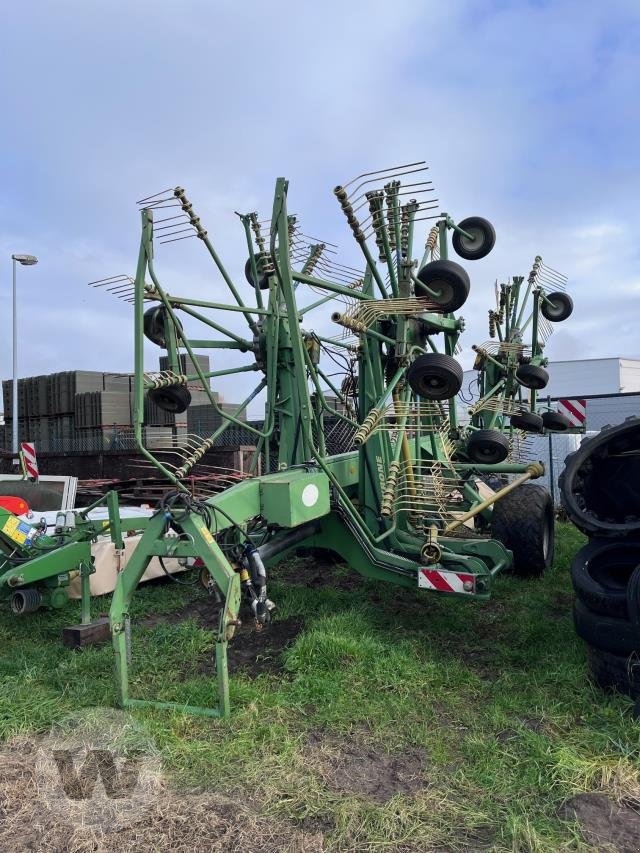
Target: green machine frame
399,504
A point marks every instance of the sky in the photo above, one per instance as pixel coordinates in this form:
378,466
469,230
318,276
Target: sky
526,112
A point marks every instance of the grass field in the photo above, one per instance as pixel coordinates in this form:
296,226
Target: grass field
391,721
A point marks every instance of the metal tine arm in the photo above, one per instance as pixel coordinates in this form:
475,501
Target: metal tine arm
381,172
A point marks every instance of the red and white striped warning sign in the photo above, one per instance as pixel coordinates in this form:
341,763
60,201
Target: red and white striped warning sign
447,581
28,451
574,410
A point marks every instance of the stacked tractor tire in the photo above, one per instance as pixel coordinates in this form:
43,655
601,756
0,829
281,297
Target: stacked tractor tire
600,489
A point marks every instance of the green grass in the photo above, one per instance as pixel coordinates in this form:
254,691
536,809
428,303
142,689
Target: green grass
496,694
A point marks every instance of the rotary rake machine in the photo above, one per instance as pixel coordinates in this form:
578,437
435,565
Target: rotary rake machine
405,501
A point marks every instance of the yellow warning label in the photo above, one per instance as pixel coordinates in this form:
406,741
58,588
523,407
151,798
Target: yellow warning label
204,530
11,528
106,523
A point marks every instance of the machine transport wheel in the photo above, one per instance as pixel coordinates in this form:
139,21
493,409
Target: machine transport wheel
488,446
435,376
560,308
483,238
555,422
449,280
523,521
175,399
264,280
601,573
527,421
615,672
600,483
25,601
153,325
609,633
532,376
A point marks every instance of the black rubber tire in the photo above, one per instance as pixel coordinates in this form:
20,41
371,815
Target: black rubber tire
619,673
555,422
608,633
600,486
487,446
153,325
523,521
484,234
561,309
527,422
175,399
264,280
633,597
450,279
435,376
601,573
532,376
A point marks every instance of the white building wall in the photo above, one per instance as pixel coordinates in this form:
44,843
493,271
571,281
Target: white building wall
629,375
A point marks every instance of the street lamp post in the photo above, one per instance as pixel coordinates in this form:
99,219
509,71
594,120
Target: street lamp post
25,261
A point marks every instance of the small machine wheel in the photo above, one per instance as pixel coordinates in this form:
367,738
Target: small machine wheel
601,574
435,376
555,422
174,399
556,306
488,446
532,376
523,521
449,280
25,601
527,421
154,325
264,280
483,238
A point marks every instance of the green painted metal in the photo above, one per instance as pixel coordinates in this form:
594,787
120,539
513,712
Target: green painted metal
32,560
383,505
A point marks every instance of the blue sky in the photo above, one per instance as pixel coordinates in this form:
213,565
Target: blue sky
527,113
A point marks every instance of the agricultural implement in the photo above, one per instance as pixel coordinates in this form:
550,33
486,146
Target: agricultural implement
36,567
406,501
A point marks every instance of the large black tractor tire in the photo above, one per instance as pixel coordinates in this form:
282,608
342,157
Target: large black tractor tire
532,376
483,240
619,673
264,279
175,399
555,422
523,521
435,376
600,483
601,572
487,446
527,422
608,633
154,325
449,280
560,308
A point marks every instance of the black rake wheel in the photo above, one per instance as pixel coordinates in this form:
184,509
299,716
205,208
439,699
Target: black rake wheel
556,306
523,521
449,281
555,422
483,238
264,280
435,376
527,421
175,399
488,446
153,325
532,376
